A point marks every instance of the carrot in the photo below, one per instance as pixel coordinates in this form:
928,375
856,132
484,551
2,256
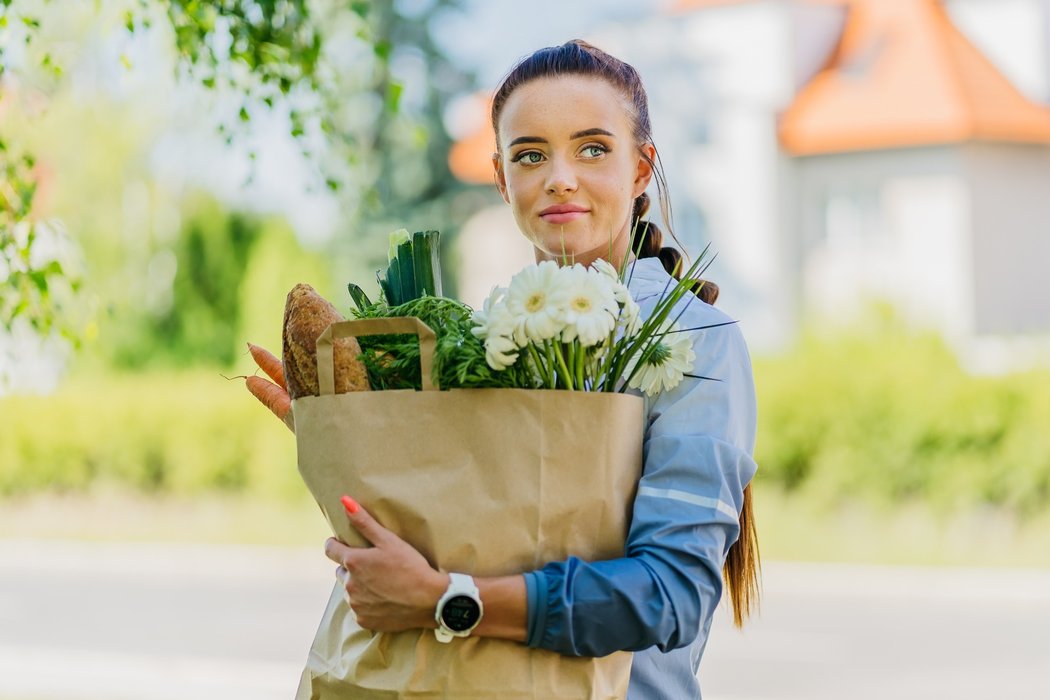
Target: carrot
269,364
272,396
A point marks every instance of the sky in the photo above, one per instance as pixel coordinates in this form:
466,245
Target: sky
490,36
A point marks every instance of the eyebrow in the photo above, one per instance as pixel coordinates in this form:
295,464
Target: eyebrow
578,135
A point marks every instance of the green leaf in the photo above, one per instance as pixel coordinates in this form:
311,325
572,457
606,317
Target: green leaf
392,284
393,96
39,280
360,8
406,272
426,263
361,299
395,239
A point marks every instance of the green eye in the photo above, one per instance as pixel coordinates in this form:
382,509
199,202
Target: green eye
528,157
593,151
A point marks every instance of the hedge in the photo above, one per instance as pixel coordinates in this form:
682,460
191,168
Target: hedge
160,432
885,416
889,416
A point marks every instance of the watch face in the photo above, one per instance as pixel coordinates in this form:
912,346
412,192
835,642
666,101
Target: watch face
460,613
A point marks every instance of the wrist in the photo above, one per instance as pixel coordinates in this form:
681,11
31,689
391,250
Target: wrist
434,587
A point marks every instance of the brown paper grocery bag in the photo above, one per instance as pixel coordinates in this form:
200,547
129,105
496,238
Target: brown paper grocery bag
482,481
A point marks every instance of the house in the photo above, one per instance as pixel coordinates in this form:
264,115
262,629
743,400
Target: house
840,151
921,175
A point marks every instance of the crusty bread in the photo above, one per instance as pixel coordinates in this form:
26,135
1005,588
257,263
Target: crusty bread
306,315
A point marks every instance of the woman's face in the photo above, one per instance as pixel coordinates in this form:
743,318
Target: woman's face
569,167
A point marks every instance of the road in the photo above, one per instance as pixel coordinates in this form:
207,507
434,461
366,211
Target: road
93,621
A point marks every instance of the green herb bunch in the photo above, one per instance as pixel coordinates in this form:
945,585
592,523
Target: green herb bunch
459,359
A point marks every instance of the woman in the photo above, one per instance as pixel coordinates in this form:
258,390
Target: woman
575,156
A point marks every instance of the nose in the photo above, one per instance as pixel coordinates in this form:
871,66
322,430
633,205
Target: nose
561,178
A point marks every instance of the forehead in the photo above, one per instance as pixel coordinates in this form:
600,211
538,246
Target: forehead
553,107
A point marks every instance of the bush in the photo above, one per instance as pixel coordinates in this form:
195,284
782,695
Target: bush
883,416
889,416
179,433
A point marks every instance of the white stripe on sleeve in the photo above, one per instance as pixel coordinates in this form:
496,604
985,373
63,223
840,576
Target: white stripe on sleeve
685,497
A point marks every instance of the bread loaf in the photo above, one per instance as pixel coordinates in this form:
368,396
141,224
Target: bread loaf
306,315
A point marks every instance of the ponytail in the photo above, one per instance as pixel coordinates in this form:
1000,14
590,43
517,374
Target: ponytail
742,566
650,244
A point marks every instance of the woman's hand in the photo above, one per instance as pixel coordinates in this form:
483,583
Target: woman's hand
390,586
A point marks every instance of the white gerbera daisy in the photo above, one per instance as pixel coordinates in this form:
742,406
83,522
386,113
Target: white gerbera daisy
591,309
629,312
493,318
500,352
536,302
604,267
664,362
630,317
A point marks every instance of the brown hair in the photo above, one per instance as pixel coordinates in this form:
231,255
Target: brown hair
577,57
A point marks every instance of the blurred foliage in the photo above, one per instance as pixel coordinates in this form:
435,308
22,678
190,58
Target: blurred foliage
34,282
880,416
177,433
361,85
887,415
220,283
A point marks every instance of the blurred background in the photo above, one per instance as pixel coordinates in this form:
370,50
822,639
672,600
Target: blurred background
874,176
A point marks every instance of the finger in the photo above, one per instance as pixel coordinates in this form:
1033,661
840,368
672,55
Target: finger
336,550
364,523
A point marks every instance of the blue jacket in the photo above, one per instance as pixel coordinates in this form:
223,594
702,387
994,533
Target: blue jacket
658,600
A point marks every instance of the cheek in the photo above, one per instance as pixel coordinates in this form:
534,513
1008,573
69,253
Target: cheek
521,191
618,195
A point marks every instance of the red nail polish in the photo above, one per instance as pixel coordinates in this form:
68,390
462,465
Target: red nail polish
350,505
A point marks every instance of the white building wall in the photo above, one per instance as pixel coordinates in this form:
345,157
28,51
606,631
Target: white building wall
1011,188
748,58
887,226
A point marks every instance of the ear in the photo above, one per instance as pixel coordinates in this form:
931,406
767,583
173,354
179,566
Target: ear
645,171
499,176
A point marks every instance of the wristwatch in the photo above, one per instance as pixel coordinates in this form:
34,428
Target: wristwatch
459,610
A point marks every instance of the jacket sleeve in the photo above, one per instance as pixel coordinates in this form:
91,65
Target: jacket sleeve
698,459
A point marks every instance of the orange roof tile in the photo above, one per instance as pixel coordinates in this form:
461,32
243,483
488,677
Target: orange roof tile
904,75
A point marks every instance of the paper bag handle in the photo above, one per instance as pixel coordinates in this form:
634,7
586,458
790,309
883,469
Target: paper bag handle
408,325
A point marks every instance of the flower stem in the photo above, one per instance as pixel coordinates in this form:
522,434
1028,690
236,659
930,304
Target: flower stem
541,367
552,364
559,353
581,361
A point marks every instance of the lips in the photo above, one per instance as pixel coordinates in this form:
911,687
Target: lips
563,213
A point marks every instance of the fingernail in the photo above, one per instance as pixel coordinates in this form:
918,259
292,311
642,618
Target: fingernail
350,505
